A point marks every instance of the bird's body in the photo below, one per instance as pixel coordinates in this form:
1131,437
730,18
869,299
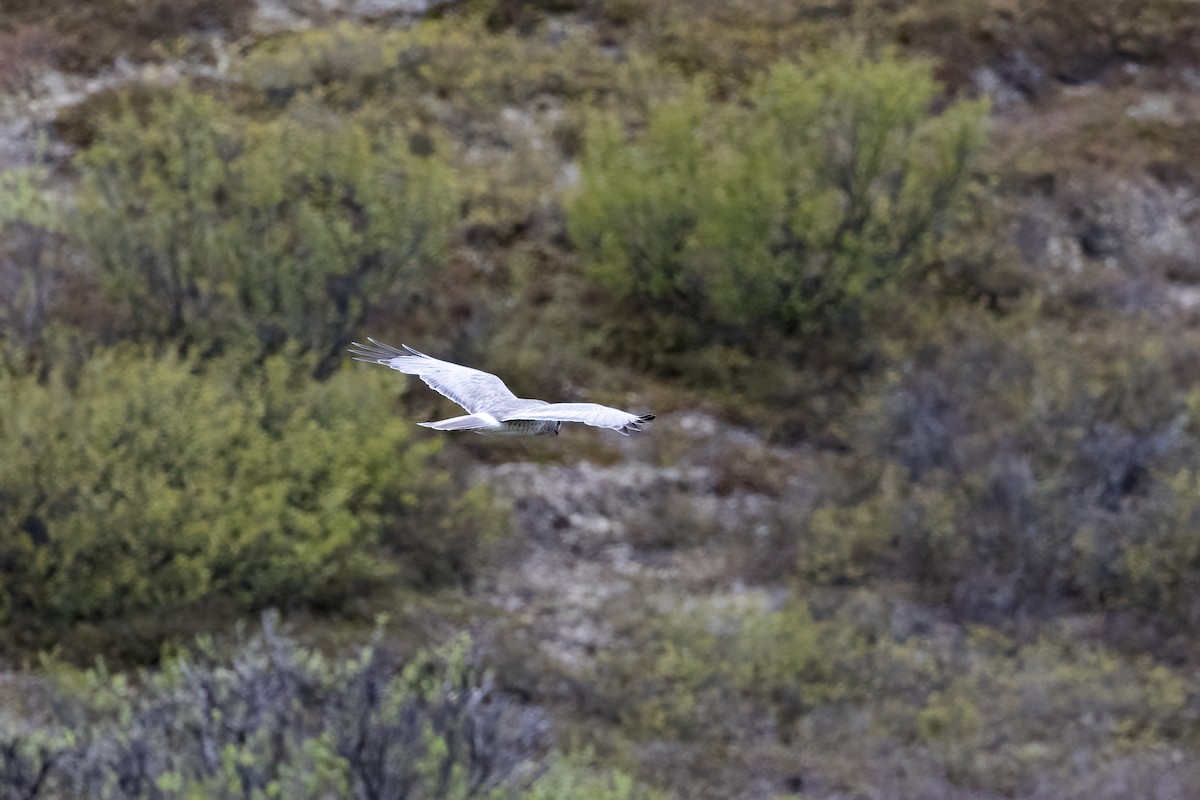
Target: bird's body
488,425
491,408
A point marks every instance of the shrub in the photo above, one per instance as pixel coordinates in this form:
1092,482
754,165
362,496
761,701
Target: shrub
458,60
1006,478
497,102
153,485
860,678
790,215
580,782
701,673
31,227
998,721
213,229
1028,43
277,719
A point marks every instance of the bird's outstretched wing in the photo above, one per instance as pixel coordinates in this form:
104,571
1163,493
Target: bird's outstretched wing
470,388
588,413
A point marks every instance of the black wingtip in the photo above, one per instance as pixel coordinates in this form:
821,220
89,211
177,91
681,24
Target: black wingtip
645,417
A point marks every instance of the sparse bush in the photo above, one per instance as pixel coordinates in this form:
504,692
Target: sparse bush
154,485
701,674
458,60
1007,478
840,544
31,228
91,36
215,229
566,779
497,103
277,719
999,720
1028,44
841,681
797,215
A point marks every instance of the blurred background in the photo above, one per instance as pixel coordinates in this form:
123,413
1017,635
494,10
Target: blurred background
913,288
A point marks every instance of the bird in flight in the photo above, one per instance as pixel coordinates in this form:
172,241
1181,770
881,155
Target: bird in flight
492,408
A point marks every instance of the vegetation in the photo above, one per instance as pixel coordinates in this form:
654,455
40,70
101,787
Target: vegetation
958,497
921,517
94,35
31,227
793,219
147,487
964,705
276,719
213,228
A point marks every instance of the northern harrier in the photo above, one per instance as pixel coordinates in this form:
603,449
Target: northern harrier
492,408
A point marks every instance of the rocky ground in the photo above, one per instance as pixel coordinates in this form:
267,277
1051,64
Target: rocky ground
593,537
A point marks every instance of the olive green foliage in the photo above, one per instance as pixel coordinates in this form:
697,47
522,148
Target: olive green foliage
277,719
152,485
31,224
865,675
989,723
791,213
1035,43
500,104
721,661
475,70
214,228
566,778
1003,477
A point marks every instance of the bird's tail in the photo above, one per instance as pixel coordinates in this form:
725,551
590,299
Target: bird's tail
470,422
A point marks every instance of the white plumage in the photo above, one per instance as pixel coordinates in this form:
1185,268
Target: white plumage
492,408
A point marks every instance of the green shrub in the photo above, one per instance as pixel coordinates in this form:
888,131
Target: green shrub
275,718
997,721
702,673
857,678
153,485
567,779
1029,43
215,229
31,227
1004,477
797,212
496,103
474,70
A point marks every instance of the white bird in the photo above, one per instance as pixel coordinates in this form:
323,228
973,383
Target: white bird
492,408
